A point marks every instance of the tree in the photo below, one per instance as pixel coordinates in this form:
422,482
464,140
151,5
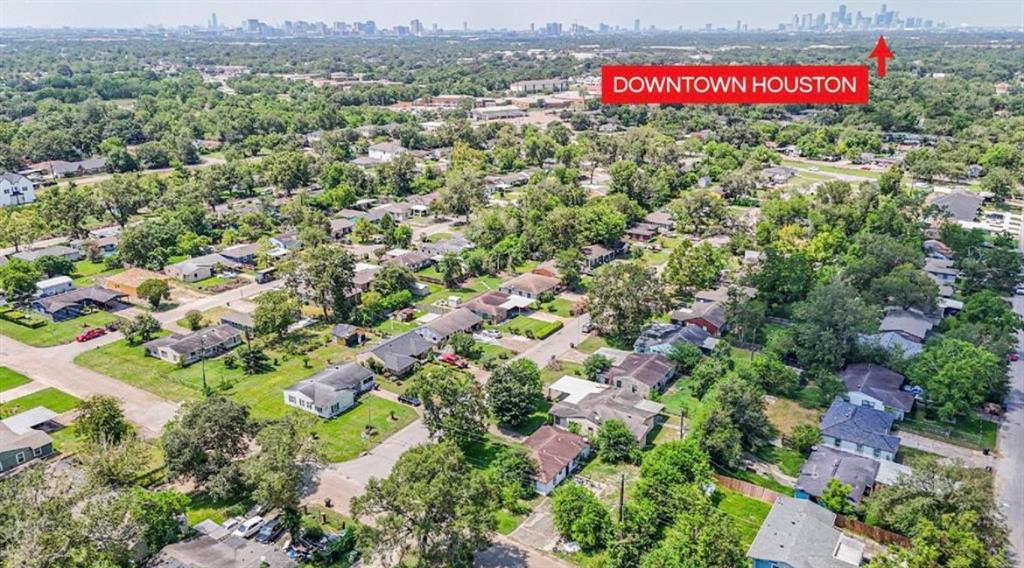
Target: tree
513,390
623,297
391,279
115,464
700,212
580,517
686,356
18,278
275,311
568,263
1001,182
277,471
675,463
594,365
159,512
706,374
836,497
516,468
154,291
204,441
933,491
454,407
705,537
194,320
741,183
804,437
827,324
772,375
783,279
464,345
254,360
694,267
101,421
433,505
122,196
67,208
323,274
905,286
950,541
140,329
287,170
746,405
452,269
616,443
957,376
719,437
19,226
462,191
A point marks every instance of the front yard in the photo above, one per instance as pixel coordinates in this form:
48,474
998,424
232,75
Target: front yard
87,271
55,333
56,400
530,327
10,379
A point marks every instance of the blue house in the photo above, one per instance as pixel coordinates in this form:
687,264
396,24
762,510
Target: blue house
71,304
860,430
798,533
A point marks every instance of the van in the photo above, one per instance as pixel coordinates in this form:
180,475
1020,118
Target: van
249,527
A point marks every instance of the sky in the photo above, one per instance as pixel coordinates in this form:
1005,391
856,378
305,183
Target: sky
485,14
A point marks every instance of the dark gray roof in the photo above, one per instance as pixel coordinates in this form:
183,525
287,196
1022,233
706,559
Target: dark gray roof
824,464
94,294
647,368
401,351
962,206
232,552
612,404
35,254
670,334
800,534
344,330
208,338
911,322
879,383
322,387
860,425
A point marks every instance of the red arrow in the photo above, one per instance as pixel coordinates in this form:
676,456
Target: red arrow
881,52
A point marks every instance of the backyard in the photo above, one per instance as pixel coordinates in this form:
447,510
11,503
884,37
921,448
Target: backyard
749,513
55,333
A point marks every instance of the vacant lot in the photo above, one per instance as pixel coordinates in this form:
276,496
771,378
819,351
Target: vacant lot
785,415
56,400
530,327
10,379
53,333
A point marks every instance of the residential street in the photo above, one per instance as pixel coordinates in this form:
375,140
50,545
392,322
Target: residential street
1009,468
556,344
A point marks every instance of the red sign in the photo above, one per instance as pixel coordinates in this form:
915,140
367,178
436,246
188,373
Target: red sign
734,84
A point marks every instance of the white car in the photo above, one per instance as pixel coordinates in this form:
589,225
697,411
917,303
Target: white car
249,527
1019,290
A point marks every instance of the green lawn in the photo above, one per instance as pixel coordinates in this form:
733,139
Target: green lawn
825,167
968,431
56,400
559,307
86,272
537,418
437,237
748,513
592,344
55,333
342,439
10,379
394,327
201,507
210,317
530,327
759,480
789,460
551,373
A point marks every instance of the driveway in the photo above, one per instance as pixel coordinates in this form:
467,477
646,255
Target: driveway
507,554
554,346
538,530
971,458
1010,464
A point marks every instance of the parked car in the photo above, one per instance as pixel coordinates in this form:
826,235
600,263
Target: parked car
1019,290
409,399
492,333
1013,357
113,326
453,360
270,531
249,527
90,334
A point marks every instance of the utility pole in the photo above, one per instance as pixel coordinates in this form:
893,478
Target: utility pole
682,423
622,496
202,344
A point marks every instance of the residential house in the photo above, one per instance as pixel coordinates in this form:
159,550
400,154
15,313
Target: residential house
875,386
591,408
661,337
641,373
912,324
662,220
414,260
641,232
348,335
16,189
421,204
709,316
453,245
242,253
105,244
825,464
941,271
200,267
778,175
386,151
401,354
495,307
798,533
331,391
23,439
59,251
398,211
530,285
596,255
60,168
892,342
239,320
216,547
71,304
504,182
548,268
53,286
187,349
288,241
558,453
860,430
340,228
937,250
960,205
459,320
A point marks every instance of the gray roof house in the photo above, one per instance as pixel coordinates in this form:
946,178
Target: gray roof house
642,373
456,321
911,324
61,251
21,442
400,354
660,337
200,267
872,385
187,349
941,271
825,464
960,205
591,410
70,304
331,391
800,534
220,549
859,430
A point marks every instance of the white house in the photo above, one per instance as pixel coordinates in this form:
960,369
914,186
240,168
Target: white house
386,151
187,349
16,189
53,286
331,391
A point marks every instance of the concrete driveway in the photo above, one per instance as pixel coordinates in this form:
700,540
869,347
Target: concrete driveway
507,554
538,530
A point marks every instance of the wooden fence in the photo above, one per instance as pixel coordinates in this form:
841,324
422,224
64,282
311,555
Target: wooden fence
748,489
876,534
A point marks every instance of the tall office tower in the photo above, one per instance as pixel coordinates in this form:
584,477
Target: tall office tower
636,25
739,25
213,22
465,26
416,27
842,14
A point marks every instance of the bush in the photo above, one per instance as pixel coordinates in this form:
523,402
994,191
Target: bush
804,437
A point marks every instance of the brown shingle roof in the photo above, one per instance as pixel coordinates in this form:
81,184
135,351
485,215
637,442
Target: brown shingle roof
554,449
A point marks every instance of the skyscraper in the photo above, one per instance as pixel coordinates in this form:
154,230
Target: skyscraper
416,27
213,22
636,25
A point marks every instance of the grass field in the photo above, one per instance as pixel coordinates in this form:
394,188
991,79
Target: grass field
210,317
824,167
86,272
56,400
789,460
592,344
55,333
748,513
530,327
786,414
551,374
10,379
437,237
559,307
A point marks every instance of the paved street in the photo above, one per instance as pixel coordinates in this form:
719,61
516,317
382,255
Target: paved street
556,344
1009,467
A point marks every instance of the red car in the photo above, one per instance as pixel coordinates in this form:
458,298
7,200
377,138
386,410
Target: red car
90,334
453,360
1012,357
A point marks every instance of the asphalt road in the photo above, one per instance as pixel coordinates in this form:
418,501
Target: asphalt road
1010,464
